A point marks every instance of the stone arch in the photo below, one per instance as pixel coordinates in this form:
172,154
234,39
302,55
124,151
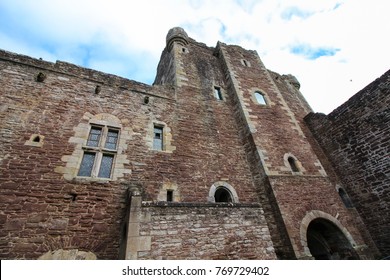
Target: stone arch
317,217
293,164
72,254
219,187
263,93
344,197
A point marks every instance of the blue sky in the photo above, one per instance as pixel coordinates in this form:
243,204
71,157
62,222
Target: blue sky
333,47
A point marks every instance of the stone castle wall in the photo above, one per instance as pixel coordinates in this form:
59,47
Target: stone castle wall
47,209
356,138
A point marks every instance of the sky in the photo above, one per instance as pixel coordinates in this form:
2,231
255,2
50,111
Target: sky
334,47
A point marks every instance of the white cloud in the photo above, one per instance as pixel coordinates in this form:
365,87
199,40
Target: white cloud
127,37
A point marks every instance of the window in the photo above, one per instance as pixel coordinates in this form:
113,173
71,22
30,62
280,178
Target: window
260,99
158,138
217,93
345,198
222,192
293,164
99,152
245,62
170,195
222,195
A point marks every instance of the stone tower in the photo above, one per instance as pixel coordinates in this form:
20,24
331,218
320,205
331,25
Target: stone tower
214,161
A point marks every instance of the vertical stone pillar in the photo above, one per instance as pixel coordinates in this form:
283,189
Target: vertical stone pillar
135,242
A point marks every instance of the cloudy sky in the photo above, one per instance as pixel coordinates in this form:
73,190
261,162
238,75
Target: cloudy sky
333,47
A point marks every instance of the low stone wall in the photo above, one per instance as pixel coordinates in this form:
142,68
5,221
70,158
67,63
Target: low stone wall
202,231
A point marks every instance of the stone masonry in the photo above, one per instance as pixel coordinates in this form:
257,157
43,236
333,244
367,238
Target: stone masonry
356,137
198,167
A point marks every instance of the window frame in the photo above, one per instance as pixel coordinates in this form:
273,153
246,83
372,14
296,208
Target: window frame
100,151
160,145
260,93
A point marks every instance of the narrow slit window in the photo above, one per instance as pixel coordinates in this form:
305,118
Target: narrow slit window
345,198
112,139
260,99
293,164
217,93
94,137
87,164
158,138
106,166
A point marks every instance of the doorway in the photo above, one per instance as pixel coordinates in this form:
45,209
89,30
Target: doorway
327,242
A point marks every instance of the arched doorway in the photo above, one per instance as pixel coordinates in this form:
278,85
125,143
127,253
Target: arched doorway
327,242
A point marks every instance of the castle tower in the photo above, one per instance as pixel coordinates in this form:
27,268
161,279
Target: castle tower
214,161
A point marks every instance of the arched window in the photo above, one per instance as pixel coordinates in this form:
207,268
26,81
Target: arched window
345,198
293,164
222,195
222,192
260,99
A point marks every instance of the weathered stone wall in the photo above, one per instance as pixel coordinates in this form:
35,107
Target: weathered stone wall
356,138
44,206
46,113
204,231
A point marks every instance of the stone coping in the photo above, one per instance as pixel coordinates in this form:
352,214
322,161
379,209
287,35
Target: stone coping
200,204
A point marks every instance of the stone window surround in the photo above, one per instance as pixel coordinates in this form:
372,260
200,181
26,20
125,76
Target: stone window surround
267,100
297,163
167,137
226,186
73,161
100,150
222,92
32,141
245,62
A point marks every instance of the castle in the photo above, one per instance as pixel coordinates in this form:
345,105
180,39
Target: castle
220,158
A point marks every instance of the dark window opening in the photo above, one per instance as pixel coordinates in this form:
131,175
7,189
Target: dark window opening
293,164
73,196
345,198
158,138
245,62
217,93
37,139
41,77
169,195
222,195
